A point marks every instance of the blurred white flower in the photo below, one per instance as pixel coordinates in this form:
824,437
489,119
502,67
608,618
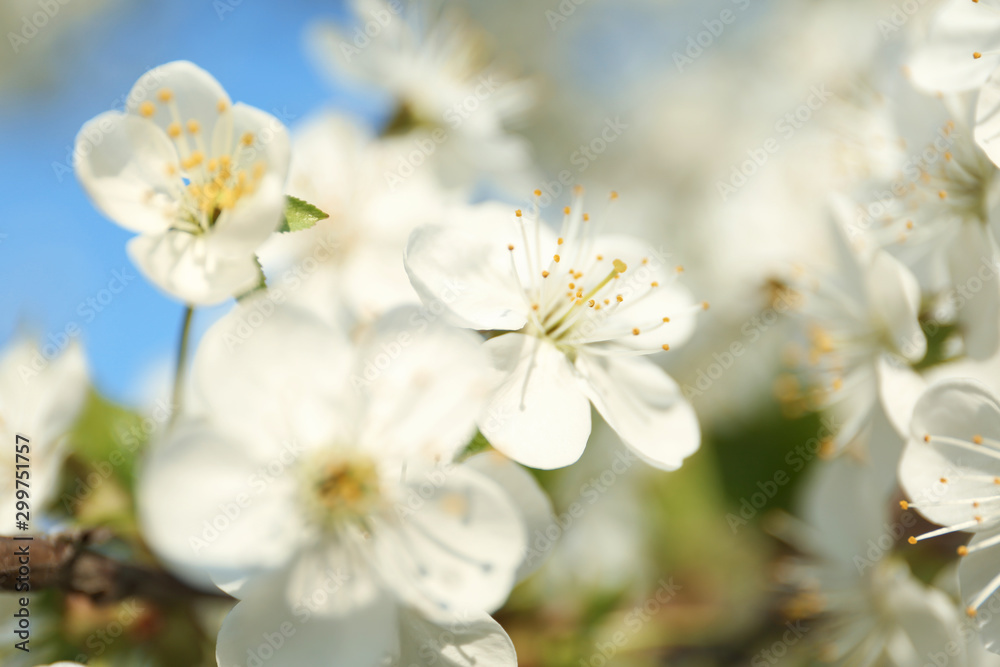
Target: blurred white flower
943,227
40,399
961,49
864,606
860,321
199,178
950,470
454,104
573,315
319,490
355,255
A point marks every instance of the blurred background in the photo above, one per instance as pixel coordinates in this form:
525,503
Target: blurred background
680,93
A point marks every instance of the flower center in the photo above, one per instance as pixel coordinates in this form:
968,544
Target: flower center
342,488
581,297
209,183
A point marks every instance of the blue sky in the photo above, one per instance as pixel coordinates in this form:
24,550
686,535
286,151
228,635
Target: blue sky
58,252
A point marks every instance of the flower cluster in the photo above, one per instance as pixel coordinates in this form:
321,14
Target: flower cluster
439,400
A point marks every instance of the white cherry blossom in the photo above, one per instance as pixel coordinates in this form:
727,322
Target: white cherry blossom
320,492
199,178
572,320
950,471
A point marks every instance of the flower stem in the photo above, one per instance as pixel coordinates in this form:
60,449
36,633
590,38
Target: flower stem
179,372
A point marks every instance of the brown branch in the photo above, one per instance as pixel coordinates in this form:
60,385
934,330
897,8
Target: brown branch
64,561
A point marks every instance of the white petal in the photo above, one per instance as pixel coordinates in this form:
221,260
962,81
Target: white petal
471,640
44,392
645,306
333,578
468,275
535,507
972,261
271,147
196,95
248,224
41,398
895,298
182,265
925,620
644,406
209,506
978,572
121,161
538,414
899,389
264,628
424,384
945,64
457,540
959,409
297,366
987,131
240,231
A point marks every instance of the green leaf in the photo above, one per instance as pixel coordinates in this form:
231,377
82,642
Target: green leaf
478,444
300,215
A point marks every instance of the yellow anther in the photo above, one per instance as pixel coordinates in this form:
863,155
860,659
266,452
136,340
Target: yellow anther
704,305
247,139
666,319
545,274
600,258
518,213
942,194
976,54
654,284
165,95
620,298
971,611
193,160
904,505
911,540
636,332
222,106
510,246
586,217
978,439
174,130
566,210
927,437
620,266
147,109
213,164
556,258
193,126
538,193
666,346
614,195
559,241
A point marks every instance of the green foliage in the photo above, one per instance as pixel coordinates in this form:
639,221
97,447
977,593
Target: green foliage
300,215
